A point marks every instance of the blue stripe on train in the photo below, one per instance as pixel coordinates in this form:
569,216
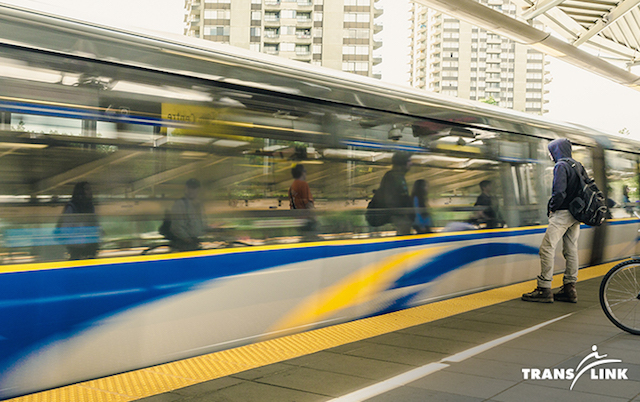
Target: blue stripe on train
448,262
454,259
37,305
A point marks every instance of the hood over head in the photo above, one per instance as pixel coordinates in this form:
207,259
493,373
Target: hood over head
560,148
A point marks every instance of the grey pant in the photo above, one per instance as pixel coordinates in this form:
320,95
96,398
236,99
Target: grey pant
561,225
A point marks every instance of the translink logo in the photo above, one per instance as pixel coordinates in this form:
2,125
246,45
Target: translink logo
583,367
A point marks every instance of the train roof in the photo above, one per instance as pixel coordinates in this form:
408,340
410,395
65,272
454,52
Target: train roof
235,66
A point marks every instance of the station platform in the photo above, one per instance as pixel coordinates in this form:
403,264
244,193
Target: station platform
488,346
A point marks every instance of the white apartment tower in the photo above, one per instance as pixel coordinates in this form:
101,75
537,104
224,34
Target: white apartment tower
459,59
337,34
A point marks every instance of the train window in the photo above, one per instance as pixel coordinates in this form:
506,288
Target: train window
622,181
137,136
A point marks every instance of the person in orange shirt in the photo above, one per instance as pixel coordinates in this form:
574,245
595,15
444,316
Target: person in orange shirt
299,193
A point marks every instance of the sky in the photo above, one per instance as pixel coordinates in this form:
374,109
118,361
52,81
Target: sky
575,95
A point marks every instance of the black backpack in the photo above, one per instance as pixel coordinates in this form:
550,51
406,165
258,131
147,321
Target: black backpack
590,205
376,213
165,228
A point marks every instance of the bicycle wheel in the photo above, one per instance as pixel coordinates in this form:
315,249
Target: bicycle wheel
620,295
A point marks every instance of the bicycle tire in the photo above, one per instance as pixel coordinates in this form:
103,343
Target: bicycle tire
620,296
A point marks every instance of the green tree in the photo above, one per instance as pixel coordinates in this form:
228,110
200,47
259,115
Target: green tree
624,131
490,100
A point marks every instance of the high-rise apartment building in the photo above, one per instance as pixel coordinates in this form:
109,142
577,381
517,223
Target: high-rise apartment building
455,58
337,34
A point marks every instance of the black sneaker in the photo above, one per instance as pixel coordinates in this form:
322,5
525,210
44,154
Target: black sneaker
540,295
567,293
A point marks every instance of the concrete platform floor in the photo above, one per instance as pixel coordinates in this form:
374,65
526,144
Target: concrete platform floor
495,374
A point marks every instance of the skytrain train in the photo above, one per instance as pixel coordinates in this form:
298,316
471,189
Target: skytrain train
137,115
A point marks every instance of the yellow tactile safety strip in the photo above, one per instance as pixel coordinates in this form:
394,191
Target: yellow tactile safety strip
167,377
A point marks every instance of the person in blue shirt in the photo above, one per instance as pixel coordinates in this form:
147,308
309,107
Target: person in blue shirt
419,195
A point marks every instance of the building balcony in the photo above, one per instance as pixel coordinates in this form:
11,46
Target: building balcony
302,57
271,4
304,22
377,27
377,11
271,21
274,52
376,60
377,44
271,37
303,34
304,41
305,3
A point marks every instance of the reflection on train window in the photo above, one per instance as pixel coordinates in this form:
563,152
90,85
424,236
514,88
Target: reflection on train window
137,136
622,182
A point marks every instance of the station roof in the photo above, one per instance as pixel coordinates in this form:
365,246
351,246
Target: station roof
608,28
608,25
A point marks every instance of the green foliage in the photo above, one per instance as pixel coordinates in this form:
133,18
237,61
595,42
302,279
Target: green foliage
624,131
490,100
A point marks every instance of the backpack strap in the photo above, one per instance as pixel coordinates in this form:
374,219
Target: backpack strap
582,173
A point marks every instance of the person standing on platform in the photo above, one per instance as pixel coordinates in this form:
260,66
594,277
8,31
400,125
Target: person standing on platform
626,202
562,225
396,194
490,215
300,198
187,219
79,224
299,193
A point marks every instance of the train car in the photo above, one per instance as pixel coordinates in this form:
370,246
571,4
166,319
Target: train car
137,115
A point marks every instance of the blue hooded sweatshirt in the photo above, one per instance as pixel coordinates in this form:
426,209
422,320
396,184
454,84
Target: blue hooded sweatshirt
566,183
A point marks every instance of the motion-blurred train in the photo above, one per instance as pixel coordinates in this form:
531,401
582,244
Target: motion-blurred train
137,115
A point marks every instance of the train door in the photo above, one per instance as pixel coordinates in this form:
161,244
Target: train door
526,174
622,196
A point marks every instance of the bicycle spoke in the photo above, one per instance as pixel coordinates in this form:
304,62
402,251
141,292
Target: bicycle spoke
620,285
619,296
630,278
633,310
624,282
618,301
620,291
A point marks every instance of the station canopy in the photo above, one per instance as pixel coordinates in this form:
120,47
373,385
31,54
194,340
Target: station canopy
602,36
